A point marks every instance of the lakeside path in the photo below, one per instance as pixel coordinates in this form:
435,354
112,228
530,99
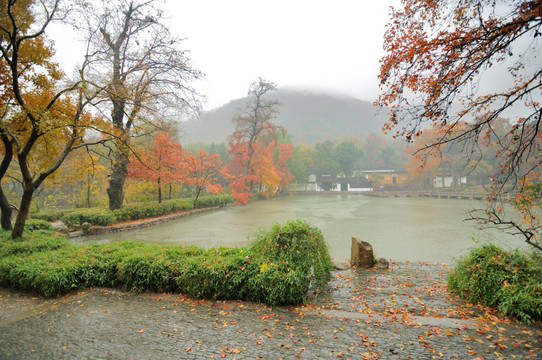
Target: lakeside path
405,312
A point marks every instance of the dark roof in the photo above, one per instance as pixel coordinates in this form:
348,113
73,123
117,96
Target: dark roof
358,181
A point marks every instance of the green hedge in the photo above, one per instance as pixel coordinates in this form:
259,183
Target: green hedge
49,215
94,216
142,211
104,217
278,268
37,224
511,282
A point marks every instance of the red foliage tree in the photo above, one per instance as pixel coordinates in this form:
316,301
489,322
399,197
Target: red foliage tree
162,162
251,127
284,154
204,172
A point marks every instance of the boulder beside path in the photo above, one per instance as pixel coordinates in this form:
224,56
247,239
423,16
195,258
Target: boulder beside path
362,255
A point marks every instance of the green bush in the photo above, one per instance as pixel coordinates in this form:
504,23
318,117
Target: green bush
291,257
37,224
94,216
142,211
49,215
218,274
511,282
278,268
37,241
213,200
104,217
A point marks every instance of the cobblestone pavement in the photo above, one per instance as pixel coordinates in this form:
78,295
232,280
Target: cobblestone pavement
405,312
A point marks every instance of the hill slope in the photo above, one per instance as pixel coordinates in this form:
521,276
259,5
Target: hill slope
309,117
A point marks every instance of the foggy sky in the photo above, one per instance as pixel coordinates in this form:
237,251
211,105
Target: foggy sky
311,44
330,46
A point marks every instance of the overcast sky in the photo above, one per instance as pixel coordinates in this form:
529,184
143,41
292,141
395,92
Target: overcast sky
322,45
317,44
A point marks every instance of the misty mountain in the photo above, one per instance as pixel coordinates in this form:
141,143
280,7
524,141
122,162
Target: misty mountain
308,117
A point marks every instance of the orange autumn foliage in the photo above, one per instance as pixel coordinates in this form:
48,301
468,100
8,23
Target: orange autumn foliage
162,162
204,172
440,65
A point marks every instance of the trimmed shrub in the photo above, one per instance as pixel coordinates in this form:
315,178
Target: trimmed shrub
94,216
37,241
213,200
277,269
49,215
217,274
37,224
104,217
291,257
142,211
511,282
149,210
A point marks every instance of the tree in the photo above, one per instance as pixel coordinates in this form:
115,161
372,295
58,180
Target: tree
5,206
43,122
6,97
162,162
251,127
284,153
347,154
133,56
270,167
438,67
372,149
426,168
79,182
302,157
204,172
388,155
325,159
254,123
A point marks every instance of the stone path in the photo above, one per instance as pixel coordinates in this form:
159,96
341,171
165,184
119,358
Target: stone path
402,313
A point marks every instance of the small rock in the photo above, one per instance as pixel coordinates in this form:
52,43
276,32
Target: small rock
382,264
341,264
86,227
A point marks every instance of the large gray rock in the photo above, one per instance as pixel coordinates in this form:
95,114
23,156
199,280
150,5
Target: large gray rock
362,253
60,227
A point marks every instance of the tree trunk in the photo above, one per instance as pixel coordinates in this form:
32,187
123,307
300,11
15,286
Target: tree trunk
159,191
24,209
198,191
88,190
6,211
115,192
6,161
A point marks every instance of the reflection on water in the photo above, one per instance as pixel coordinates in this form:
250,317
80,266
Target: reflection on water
415,229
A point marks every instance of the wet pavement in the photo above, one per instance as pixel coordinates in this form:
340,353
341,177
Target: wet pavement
405,312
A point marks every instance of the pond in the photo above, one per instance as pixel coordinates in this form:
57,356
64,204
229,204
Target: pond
413,229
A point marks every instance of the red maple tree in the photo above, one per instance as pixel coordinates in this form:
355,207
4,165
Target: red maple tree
204,172
162,162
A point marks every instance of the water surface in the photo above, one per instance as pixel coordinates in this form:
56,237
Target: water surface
415,229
